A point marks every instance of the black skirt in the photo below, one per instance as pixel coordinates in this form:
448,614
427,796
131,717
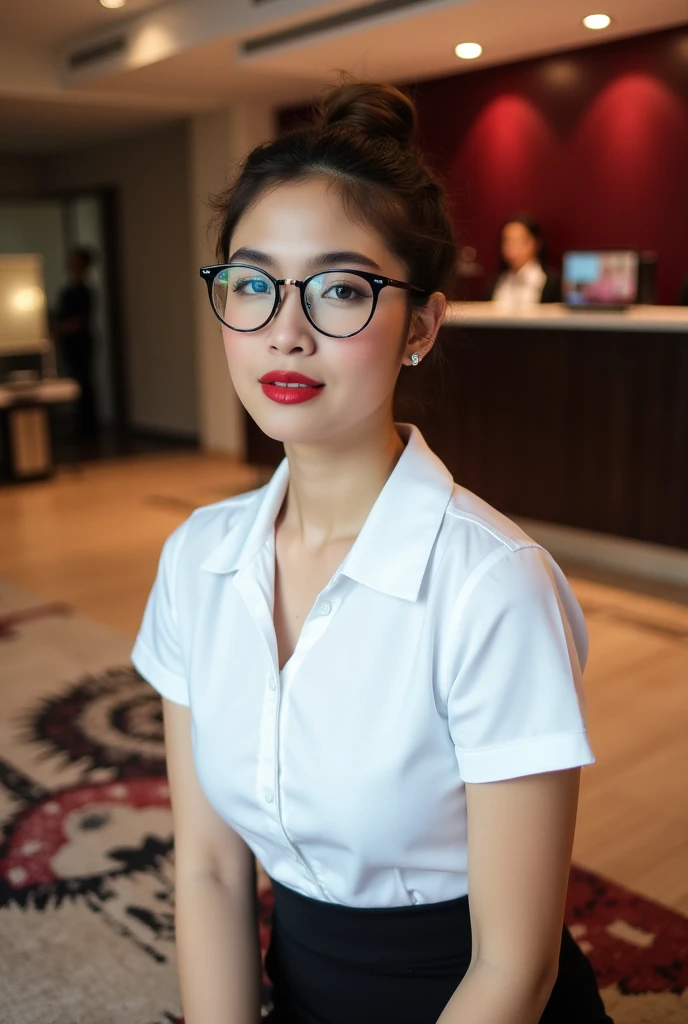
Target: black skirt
331,964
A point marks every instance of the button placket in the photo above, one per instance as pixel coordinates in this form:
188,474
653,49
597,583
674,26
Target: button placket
311,876
266,786
312,631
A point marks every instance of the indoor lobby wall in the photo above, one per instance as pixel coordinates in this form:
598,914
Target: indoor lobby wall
21,176
594,142
151,174
218,142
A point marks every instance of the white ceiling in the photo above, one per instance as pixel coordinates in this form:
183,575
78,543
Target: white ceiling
421,45
49,22
204,76
181,56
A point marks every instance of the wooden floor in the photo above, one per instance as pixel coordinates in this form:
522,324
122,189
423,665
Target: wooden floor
92,537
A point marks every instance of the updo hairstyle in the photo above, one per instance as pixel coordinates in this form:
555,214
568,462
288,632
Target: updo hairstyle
361,140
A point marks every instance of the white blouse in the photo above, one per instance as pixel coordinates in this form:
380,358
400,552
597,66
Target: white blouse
521,287
447,648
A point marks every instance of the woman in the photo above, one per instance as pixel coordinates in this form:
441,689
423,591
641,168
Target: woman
379,675
523,278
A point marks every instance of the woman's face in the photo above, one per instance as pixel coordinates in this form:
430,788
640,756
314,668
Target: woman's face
518,245
293,232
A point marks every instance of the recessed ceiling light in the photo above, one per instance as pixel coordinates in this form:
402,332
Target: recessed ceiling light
593,21
112,3
468,51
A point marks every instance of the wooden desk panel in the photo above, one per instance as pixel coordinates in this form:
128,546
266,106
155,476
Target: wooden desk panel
584,428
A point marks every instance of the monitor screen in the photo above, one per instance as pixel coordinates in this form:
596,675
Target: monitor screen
605,278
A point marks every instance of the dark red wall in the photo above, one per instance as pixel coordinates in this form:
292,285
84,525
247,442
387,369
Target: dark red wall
595,142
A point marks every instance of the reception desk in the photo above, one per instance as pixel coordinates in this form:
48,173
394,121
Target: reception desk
577,419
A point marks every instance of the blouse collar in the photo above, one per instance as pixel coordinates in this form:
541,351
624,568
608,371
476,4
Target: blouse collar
392,550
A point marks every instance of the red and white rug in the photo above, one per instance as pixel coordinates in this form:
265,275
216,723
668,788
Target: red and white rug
86,857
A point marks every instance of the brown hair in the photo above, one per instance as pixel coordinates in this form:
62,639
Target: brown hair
361,140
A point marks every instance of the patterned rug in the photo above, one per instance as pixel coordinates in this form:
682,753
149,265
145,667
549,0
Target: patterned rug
86,857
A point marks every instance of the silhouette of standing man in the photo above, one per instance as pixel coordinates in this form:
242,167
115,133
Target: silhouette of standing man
74,337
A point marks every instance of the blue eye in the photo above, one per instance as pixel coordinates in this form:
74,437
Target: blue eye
251,286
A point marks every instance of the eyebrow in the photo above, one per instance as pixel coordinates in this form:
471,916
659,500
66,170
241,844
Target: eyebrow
253,256
336,258
340,257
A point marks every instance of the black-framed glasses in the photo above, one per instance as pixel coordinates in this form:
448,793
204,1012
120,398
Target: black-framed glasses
338,303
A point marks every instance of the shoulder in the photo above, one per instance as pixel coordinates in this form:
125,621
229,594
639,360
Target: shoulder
479,543
477,530
491,568
195,539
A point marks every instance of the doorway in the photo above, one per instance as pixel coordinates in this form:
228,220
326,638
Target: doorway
51,227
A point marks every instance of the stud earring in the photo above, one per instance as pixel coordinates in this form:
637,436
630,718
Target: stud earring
415,359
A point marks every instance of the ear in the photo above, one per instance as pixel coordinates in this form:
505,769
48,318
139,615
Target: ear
426,321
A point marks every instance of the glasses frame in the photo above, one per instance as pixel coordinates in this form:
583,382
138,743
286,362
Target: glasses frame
376,281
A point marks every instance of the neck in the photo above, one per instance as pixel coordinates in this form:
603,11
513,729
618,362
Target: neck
528,263
334,484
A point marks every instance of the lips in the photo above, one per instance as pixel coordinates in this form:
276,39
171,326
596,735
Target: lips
288,377
288,387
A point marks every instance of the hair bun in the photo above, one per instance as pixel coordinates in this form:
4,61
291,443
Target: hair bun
374,109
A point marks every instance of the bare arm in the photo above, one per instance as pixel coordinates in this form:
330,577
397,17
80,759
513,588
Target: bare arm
217,936
520,837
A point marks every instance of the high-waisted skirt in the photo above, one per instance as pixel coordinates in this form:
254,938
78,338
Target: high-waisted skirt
331,964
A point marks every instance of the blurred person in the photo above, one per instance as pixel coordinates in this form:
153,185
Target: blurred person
371,679
73,334
523,278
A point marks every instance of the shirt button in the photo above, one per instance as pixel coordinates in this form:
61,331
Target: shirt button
272,683
268,794
325,608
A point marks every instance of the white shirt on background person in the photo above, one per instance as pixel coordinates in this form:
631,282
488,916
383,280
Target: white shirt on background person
447,648
521,287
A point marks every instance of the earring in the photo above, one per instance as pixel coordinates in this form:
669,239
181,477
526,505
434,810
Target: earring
415,359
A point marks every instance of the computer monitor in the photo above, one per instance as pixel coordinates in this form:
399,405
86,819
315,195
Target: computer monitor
602,279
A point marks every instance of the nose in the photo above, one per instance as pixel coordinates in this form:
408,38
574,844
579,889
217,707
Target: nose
289,330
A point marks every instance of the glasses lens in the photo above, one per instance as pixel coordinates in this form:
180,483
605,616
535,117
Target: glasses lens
339,302
243,297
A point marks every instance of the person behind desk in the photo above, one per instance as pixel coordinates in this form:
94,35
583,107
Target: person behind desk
71,328
523,278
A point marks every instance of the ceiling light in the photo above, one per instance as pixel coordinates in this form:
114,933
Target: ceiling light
112,3
593,21
468,51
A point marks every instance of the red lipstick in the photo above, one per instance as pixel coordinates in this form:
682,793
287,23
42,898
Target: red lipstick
289,388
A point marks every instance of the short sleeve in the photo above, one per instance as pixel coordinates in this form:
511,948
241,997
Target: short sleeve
157,652
516,705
